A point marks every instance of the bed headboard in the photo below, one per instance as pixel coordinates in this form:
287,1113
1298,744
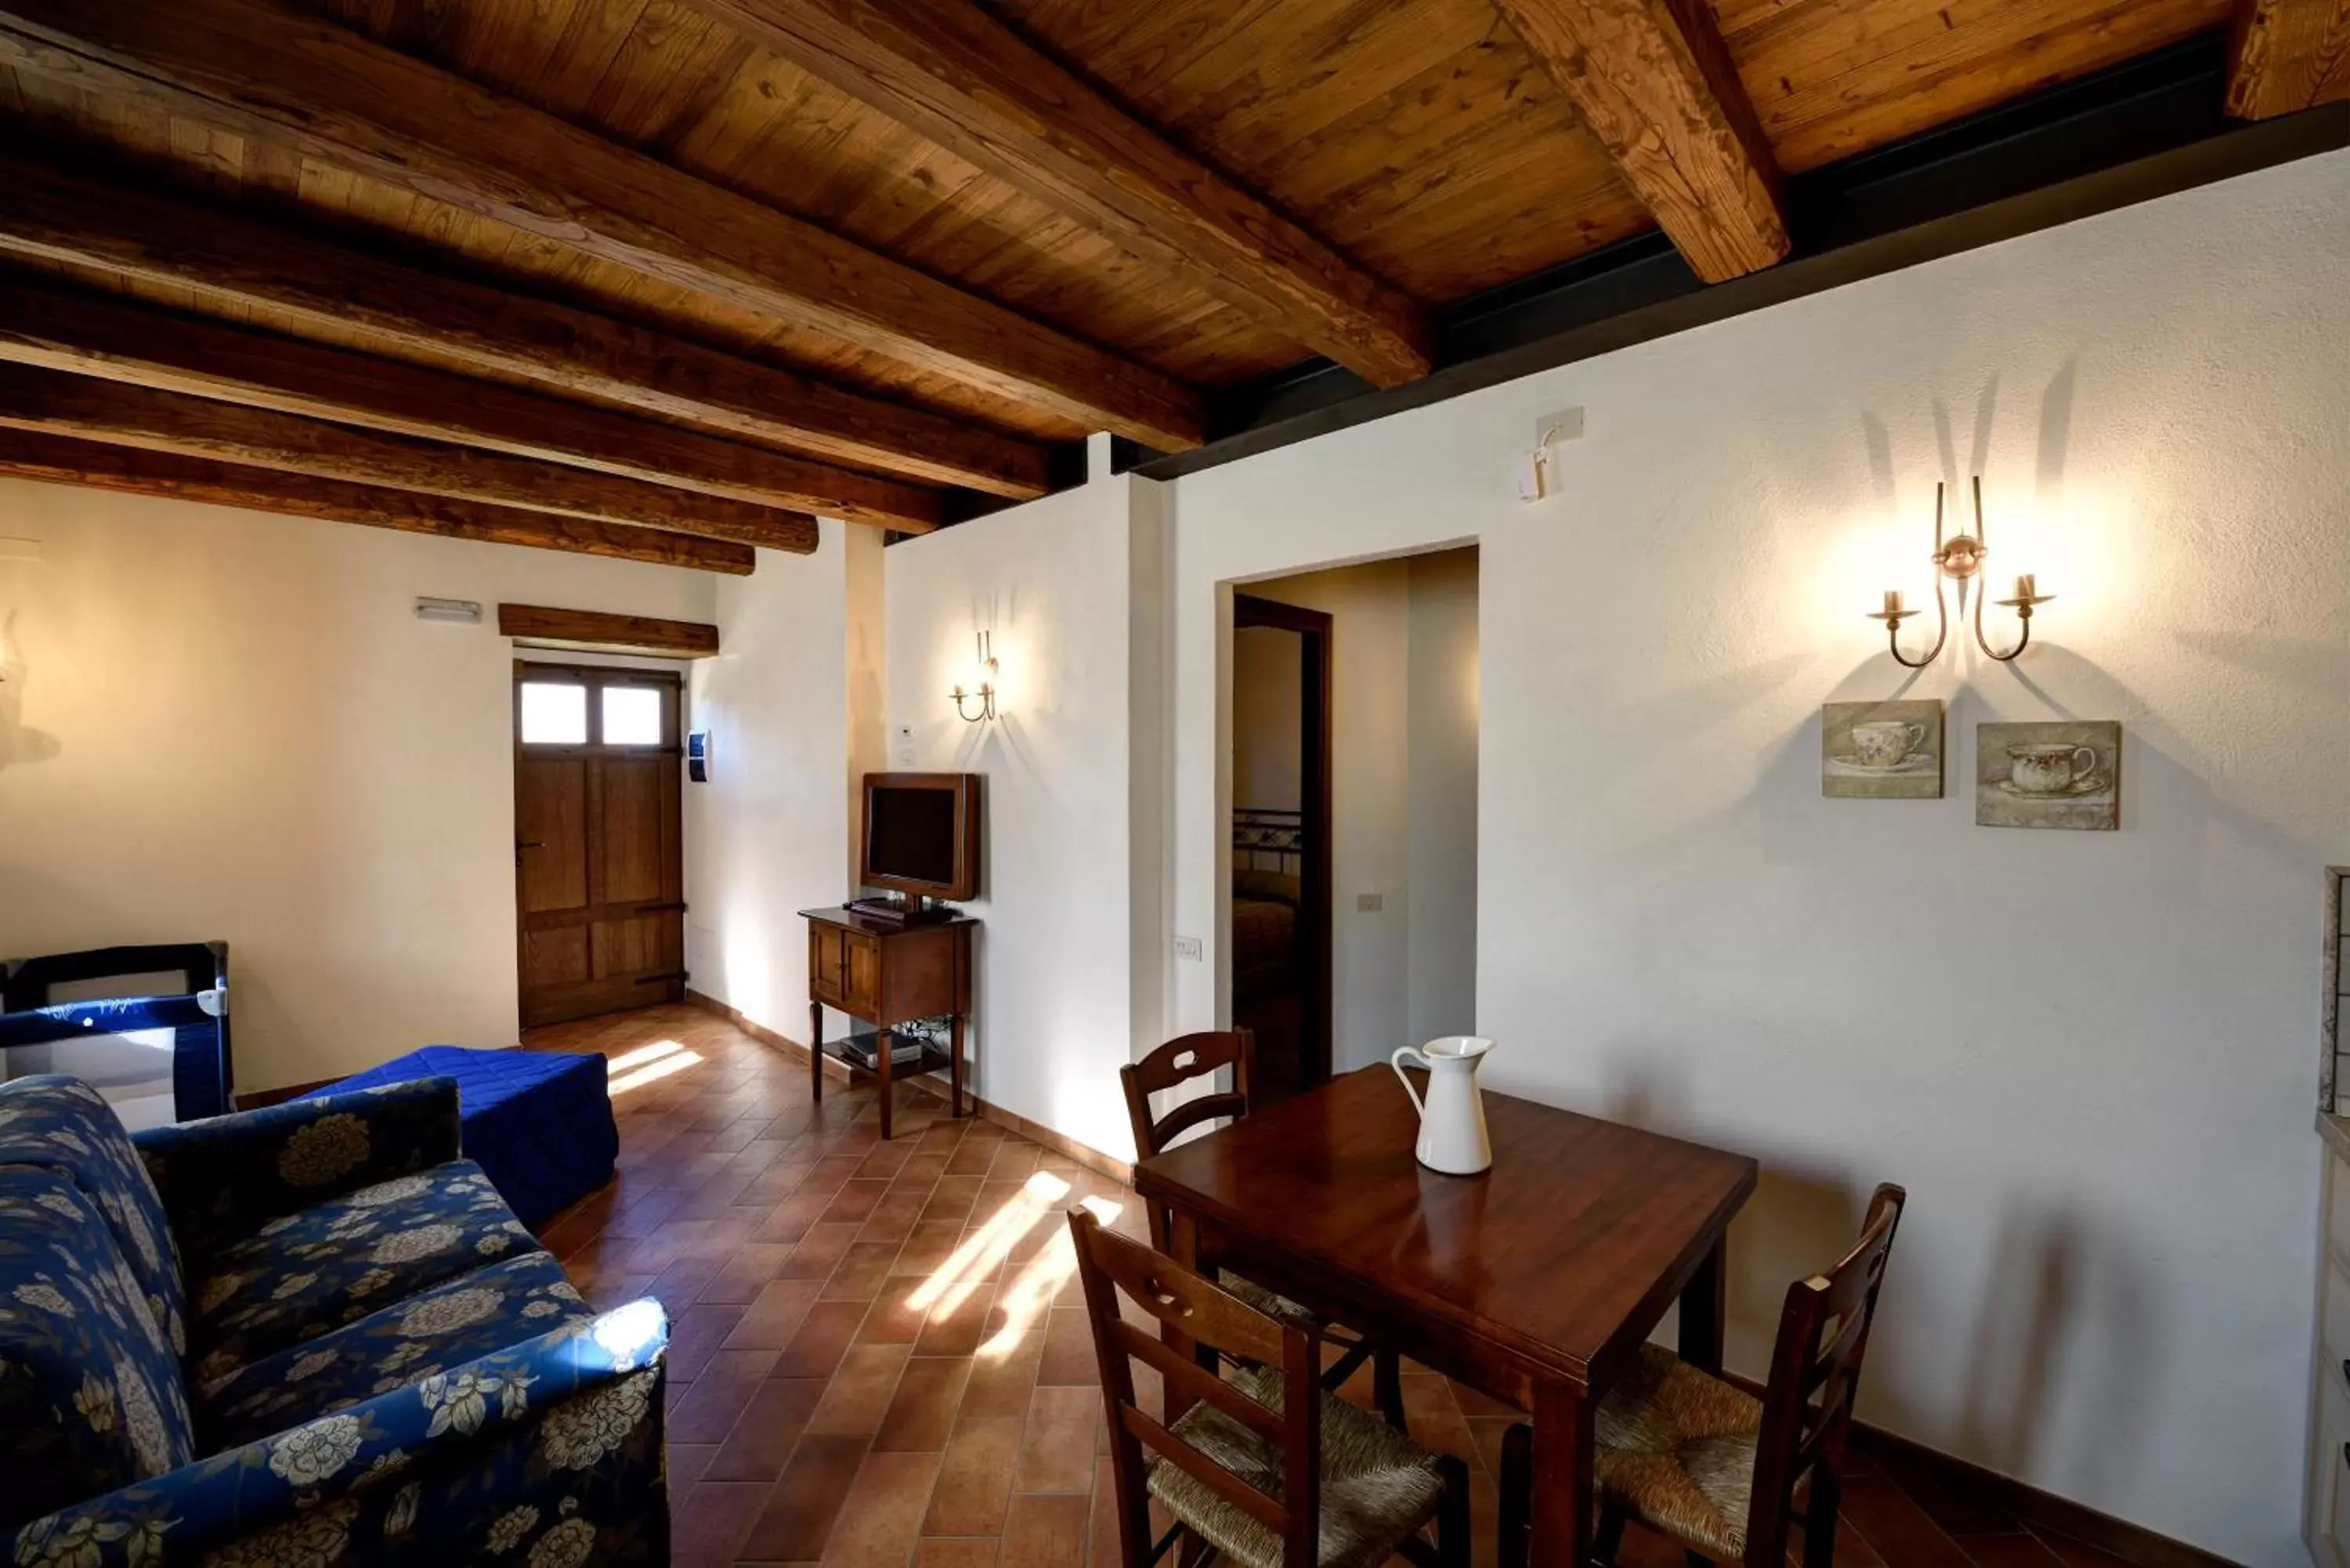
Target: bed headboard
1268,840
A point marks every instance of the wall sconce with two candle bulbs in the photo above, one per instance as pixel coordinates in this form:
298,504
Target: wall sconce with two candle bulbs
985,695
1957,558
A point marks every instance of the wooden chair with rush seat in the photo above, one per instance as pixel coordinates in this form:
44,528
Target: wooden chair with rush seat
1707,1463
1186,1059
1264,1467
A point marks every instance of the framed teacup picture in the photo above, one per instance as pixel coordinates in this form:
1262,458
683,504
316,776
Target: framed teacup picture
2049,775
1881,751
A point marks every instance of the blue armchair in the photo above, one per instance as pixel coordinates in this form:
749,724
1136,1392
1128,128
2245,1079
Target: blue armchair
304,1334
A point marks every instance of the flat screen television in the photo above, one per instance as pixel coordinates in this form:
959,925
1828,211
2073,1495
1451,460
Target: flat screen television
921,835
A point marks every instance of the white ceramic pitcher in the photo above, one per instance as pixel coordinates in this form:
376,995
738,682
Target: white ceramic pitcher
1453,1118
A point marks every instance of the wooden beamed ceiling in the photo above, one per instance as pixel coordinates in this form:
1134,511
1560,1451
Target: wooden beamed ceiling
2288,55
89,409
135,471
570,271
949,70
1654,82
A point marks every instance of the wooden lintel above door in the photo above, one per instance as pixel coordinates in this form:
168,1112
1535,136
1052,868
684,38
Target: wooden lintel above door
541,626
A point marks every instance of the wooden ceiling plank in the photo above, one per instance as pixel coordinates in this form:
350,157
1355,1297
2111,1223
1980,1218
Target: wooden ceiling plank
34,398
2288,55
949,70
1924,72
1654,83
612,633
66,329
61,460
267,67
48,213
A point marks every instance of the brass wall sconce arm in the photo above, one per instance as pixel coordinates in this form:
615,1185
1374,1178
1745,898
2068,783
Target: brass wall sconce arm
1957,559
985,695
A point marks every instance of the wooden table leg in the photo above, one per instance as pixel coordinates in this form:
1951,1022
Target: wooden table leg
816,1050
1705,1304
954,1072
883,1046
1562,1508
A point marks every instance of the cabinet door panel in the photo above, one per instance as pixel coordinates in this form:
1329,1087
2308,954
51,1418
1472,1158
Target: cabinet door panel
864,979
825,965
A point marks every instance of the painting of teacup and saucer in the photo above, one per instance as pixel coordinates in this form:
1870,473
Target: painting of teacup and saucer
2049,775
1881,751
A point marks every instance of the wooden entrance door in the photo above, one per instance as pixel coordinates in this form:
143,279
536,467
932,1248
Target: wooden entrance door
599,878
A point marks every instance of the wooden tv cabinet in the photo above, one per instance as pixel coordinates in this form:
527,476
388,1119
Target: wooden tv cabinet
886,975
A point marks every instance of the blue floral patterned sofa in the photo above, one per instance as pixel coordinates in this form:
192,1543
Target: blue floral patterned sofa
304,1336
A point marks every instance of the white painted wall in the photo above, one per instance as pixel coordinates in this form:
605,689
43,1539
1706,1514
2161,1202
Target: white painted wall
1268,760
217,723
2089,1056
1067,957
792,703
1441,797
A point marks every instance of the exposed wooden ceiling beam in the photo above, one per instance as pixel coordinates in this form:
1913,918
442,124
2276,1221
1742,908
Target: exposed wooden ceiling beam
2288,55
32,398
64,328
951,71
48,213
1652,82
546,625
267,69
61,460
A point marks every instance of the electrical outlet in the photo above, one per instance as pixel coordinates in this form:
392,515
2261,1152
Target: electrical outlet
1189,948
1370,903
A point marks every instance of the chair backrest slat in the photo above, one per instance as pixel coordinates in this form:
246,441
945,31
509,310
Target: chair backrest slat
1192,1112
1182,1060
1214,1476
1189,1056
1186,1380
1199,1319
1823,1337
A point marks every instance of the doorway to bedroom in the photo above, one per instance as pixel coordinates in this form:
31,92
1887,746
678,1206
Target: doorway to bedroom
1351,925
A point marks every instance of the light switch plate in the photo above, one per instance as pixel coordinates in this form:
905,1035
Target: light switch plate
1370,903
1189,948
1564,425
904,741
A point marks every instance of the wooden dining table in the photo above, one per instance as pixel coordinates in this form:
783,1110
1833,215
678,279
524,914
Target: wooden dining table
1535,1283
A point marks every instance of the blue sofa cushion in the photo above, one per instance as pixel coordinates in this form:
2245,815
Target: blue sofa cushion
460,1321
304,1273
64,1125
540,1122
90,1397
222,1179
546,1453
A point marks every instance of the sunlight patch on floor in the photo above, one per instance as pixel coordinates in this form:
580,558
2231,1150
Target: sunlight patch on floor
653,1071
951,1284
1032,1293
644,1054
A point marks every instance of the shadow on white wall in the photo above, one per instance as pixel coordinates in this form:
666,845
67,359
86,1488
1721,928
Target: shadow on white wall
19,743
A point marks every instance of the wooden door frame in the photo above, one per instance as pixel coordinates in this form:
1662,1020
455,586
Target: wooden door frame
592,677
1316,917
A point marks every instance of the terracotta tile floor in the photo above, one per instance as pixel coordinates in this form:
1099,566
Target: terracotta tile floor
877,1356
